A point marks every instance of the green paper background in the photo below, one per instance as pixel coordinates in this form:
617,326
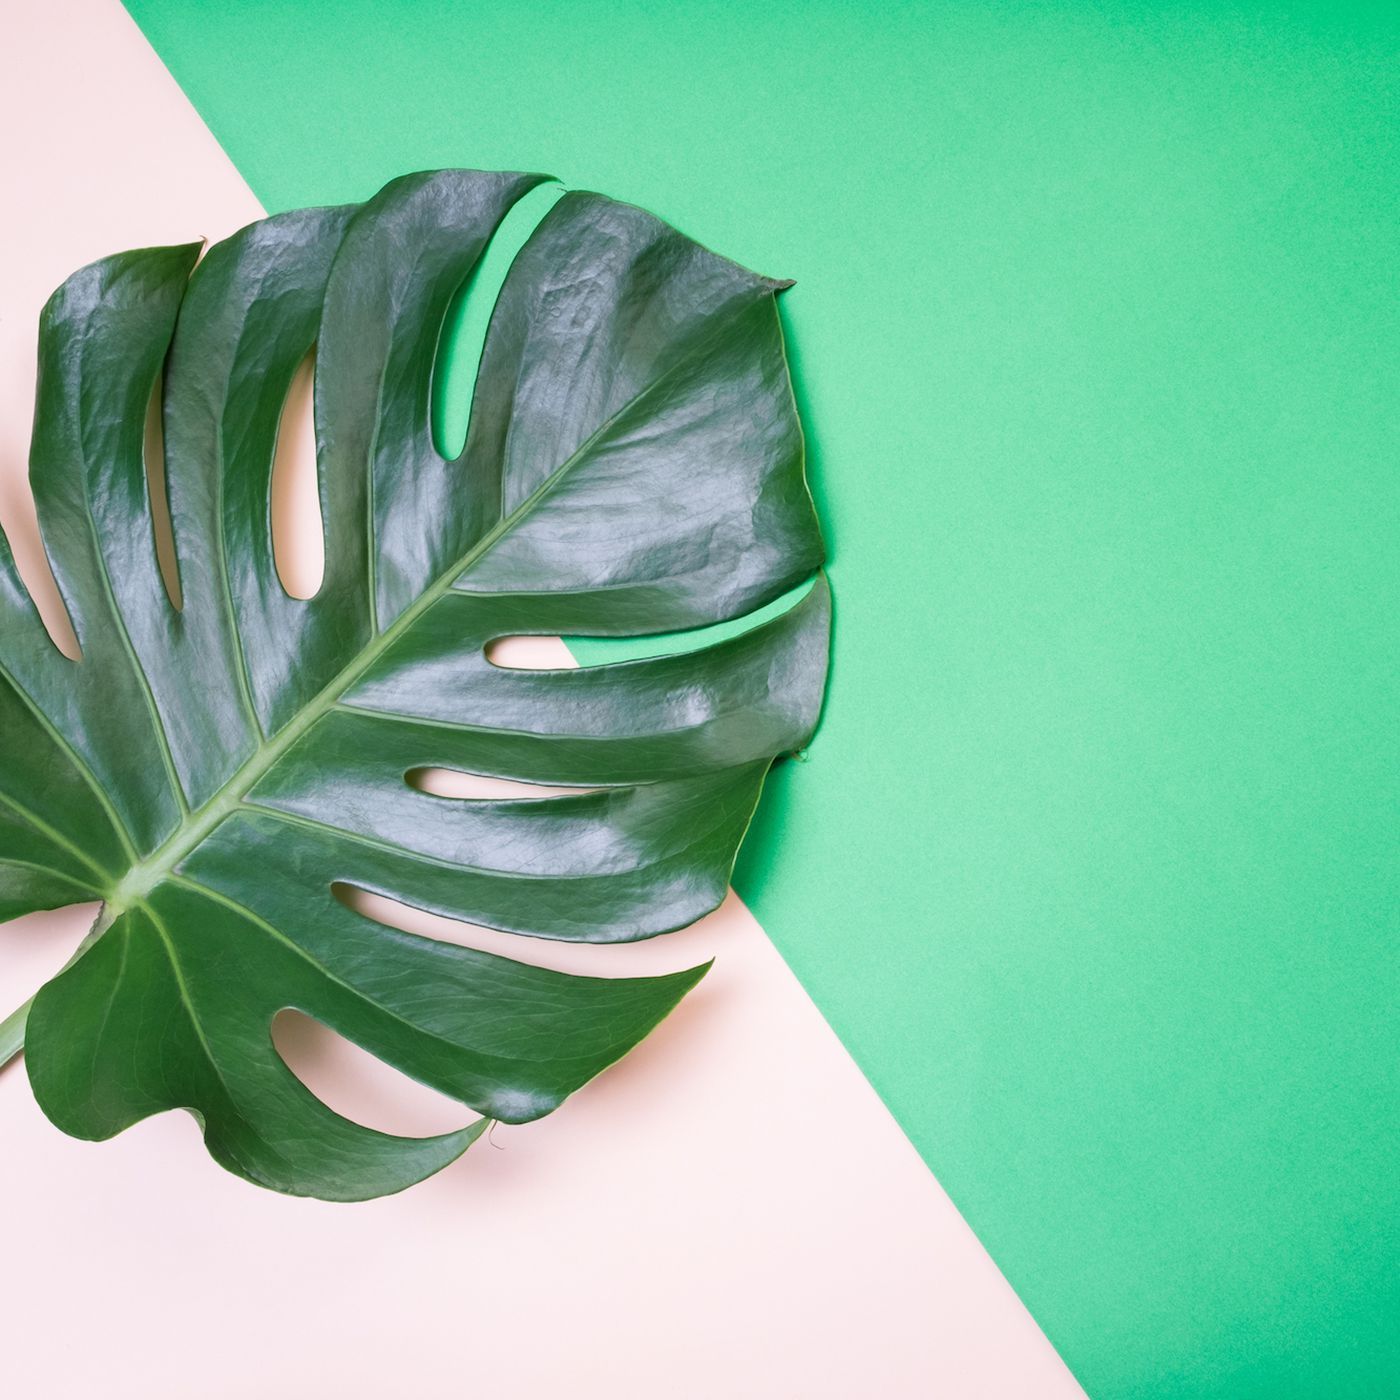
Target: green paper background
1093,865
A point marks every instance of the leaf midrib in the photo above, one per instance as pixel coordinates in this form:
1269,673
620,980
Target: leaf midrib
201,822
162,861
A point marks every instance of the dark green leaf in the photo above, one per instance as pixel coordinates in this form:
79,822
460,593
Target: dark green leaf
633,466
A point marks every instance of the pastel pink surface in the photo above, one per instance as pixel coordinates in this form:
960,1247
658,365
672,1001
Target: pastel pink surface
730,1212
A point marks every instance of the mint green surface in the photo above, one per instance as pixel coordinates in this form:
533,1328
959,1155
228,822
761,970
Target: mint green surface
1093,863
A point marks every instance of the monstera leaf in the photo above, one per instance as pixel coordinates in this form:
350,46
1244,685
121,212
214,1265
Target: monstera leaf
216,771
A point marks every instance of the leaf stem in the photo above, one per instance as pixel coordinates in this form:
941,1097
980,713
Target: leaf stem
12,1028
12,1032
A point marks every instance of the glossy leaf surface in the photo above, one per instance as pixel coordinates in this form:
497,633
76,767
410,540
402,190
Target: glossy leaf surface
215,771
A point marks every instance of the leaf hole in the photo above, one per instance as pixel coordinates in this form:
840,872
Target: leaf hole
298,532
529,653
653,957
358,1085
158,493
36,573
468,314
451,782
21,529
